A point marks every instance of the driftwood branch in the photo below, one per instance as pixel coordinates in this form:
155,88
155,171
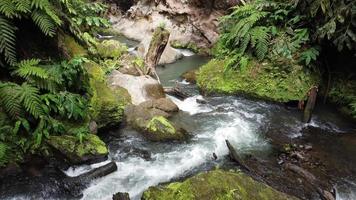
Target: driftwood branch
308,110
235,157
311,179
157,45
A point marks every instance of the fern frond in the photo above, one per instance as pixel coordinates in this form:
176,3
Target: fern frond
7,40
23,6
44,22
9,99
31,100
15,98
260,40
8,8
29,69
3,154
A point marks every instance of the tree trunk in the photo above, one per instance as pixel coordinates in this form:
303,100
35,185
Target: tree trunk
312,94
158,44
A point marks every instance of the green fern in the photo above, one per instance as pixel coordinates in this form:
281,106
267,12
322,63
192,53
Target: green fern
7,40
44,22
3,154
15,99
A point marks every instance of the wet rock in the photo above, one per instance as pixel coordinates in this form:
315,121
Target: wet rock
201,101
163,104
216,184
121,196
138,152
91,150
93,127
190,76
140,88
10,169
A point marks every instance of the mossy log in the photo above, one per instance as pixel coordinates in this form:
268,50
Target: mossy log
158,44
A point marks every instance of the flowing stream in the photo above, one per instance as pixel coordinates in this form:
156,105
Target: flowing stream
247,124
243,122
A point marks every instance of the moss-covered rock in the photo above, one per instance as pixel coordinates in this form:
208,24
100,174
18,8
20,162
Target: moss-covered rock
150,119
92,149
70,47
160,128
190,76
111,49
262,80
185,45
215,185
106,104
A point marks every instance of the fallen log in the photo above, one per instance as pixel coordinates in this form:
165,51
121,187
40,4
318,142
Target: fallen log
235,157
311,179
75,185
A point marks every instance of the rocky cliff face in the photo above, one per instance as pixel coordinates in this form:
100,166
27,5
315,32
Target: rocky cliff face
191,22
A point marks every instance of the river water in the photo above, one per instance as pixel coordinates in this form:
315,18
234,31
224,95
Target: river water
247,124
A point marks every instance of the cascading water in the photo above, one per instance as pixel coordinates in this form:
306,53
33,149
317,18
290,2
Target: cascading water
245,123
170,161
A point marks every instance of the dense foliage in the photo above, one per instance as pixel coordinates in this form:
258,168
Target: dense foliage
288,33
291,29
43,97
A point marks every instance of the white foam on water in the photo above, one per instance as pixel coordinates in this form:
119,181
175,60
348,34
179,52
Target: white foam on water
78,170
134,175
191,105
186,52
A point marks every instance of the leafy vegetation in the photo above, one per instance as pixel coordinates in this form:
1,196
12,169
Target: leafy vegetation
39,98
283,34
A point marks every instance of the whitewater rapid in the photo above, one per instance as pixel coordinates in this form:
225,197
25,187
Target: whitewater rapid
135,174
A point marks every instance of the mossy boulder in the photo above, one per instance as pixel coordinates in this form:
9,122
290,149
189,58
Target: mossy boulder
263,80
216,185
160,128
111,49
91,150
106,104
151,119
70,47
190,76
185,45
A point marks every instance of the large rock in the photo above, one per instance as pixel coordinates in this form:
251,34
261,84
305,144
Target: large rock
216,185
91,150
150,119
106,104
189,22
140,88
264,80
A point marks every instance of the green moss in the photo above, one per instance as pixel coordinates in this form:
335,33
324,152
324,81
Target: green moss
160,124
262,80
111,49
190,45
215,185
77,152
343,93
106,104
72,47
160,129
